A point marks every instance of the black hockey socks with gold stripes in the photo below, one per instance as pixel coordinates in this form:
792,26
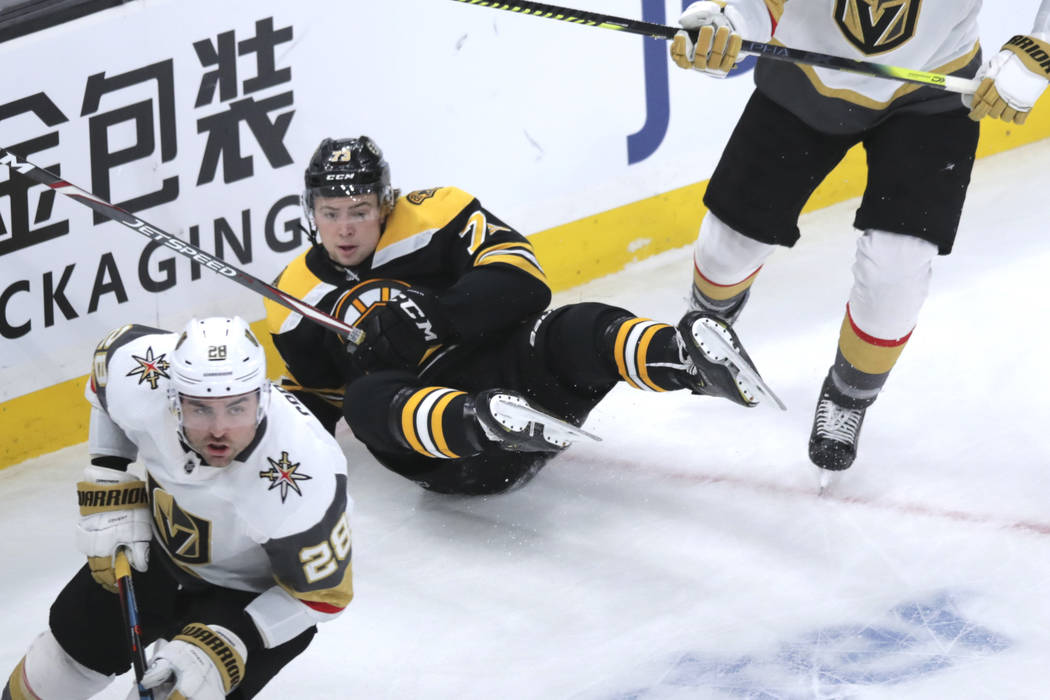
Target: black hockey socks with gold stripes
647,354
433,421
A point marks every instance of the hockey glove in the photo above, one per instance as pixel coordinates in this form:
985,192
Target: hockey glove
113,513
399,333
1013,80
203,662
719,27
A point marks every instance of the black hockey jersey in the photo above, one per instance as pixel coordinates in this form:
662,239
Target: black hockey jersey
485,274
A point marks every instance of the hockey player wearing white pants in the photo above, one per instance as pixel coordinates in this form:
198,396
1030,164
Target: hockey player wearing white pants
799,123
238,529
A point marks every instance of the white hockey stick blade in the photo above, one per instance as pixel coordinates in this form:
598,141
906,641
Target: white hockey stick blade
555,428
755,383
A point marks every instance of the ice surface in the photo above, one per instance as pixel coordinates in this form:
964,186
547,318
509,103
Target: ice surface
687,555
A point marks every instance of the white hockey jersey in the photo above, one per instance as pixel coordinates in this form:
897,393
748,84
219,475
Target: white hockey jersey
278,515
939,36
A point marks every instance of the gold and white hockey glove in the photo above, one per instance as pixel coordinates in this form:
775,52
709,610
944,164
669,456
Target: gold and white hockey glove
113,513
720,26
1013,80
203,662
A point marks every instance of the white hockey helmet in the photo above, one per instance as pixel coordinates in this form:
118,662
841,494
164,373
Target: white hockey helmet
216,357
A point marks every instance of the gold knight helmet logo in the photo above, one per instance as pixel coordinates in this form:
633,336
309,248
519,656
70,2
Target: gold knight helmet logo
186,536
877,26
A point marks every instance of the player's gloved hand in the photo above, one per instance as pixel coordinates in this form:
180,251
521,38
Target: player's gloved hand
113,513
719,29
1013,80
399,333
203,662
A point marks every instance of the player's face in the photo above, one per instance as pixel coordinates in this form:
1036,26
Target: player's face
349,227
219,428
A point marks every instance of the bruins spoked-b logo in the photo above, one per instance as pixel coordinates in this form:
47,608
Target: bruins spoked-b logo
358,301
877,26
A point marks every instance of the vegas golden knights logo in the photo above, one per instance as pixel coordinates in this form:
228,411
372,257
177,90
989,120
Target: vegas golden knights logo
877,26
186,536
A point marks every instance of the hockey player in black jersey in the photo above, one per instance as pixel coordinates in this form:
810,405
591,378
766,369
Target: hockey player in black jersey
460,350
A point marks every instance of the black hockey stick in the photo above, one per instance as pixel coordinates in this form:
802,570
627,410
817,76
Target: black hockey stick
130,610
33,172
965,86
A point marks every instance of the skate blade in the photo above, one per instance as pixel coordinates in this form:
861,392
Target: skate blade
555,429
753,383
826,479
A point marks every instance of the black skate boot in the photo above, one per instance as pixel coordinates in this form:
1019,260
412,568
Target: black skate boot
507,420
718,364
728,310
836,430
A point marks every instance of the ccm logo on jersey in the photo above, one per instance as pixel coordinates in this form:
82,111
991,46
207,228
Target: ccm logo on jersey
416,314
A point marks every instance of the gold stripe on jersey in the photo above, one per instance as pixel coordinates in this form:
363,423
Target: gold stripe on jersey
411,226
866,353
337,596
17,684
295,280
519,254
776,9
421,421
332,396
721,292
860,100
631,348
300,282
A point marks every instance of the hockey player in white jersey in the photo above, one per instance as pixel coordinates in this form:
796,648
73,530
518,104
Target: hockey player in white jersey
238,529
799,123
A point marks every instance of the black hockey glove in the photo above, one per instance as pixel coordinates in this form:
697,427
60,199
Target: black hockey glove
399,333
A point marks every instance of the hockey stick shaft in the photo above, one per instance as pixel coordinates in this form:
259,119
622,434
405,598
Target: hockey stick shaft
965,86
45,177
130,610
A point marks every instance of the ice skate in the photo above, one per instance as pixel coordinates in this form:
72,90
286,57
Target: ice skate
718,363
508,419
728,310
836,431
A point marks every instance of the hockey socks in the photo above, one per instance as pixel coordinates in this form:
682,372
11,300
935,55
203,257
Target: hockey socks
646,354
432,422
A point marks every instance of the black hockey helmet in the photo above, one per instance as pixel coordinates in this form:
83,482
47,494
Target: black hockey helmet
346,167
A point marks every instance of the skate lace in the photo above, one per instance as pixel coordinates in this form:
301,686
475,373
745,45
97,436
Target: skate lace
837,423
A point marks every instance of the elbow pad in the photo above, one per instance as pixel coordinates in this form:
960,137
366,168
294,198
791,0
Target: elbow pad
279,617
